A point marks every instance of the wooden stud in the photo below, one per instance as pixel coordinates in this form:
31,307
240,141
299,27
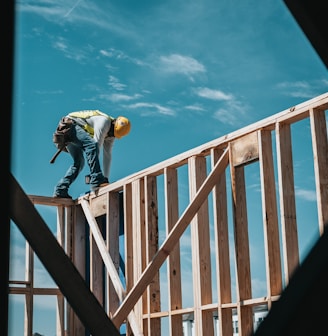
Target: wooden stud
220,216
287,199
174,267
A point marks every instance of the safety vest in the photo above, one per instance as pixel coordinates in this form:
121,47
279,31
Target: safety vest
81,118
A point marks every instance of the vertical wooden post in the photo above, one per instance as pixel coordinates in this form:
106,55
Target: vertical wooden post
128,246
112,244
29,297
270,216
243,276
138,226
204,324
69,246
287,199
320,157
174,267
151,238
96,268
79,259
61,235
222,248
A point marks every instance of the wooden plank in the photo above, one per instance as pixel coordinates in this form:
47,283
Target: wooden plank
55,260
287,199
171,240
61,225
151,240
245,149
29,297
36,291
270,215
320,150
69,220
174,266
98,205
96,266
52,201
138,214
110,267
60,316
128,235
243,272
61,234
79,260
200,248
128,246
221,234
112,245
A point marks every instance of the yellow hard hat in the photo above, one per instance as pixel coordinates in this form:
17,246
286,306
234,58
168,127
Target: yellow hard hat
122,127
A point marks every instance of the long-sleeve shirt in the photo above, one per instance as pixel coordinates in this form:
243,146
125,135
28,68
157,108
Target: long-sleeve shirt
98,125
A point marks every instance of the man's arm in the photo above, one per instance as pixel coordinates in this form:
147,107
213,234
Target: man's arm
107,155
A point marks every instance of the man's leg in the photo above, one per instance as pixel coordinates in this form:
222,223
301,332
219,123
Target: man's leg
75,149
91,150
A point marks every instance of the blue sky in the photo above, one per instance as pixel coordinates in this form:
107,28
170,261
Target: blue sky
183,72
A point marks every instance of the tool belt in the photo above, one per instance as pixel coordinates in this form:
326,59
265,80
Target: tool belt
62,136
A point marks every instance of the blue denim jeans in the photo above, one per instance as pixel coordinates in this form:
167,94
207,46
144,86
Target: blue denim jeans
82,143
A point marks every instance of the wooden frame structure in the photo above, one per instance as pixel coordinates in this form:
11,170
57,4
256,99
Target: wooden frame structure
148,206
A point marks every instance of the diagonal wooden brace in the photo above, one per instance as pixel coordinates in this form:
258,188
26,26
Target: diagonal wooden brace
110,267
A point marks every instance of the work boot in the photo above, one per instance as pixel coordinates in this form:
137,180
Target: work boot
96,187
62,194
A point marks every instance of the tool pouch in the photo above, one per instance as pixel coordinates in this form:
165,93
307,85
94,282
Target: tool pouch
62,136
63,132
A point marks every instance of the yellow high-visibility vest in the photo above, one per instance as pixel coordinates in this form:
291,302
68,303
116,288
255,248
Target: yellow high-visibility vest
83,115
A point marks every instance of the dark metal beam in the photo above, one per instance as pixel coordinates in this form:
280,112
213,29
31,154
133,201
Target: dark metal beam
7,10
57,263
311,16
302,306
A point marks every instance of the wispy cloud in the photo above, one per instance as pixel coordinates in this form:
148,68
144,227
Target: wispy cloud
118,97
150,108
302,89
120,55
308,195
233,111
213,94
115,83
62,45
80,12
180,64
71,10
195,107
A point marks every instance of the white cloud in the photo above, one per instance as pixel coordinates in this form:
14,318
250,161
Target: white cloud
150,107
213,94
194,108
62,45
308,195
120,55
302,89
232,113
225,116
180,64
117,97
114,83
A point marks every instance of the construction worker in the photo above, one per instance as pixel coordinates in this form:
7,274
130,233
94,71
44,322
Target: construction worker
91,130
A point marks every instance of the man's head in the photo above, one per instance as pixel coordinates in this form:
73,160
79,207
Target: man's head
122,127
